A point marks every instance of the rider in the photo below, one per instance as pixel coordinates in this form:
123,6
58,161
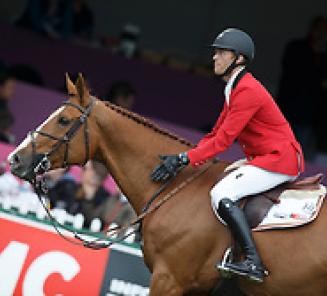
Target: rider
273,155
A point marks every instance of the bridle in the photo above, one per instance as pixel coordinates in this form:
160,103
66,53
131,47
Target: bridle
44,164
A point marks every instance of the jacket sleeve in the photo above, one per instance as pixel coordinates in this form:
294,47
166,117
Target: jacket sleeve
213,132
243,106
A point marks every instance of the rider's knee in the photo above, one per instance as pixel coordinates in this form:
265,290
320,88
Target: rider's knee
225,207
217,194
225,204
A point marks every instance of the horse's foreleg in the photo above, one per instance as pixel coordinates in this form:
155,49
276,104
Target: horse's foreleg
164,284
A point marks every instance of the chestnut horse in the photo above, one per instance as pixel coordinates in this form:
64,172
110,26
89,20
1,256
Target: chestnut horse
182,239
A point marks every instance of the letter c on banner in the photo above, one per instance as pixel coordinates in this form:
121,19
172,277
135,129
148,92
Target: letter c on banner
45,265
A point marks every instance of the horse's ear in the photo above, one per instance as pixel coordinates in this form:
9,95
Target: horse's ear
71,88
82,89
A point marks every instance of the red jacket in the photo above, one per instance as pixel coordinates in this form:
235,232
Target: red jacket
264,134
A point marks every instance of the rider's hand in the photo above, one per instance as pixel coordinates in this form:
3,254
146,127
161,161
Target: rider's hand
169,167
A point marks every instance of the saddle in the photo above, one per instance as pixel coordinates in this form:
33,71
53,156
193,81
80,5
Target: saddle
257,206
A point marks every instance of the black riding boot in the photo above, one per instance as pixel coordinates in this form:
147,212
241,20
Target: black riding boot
251,267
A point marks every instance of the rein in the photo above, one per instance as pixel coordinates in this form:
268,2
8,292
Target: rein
44,165
96,244
101,243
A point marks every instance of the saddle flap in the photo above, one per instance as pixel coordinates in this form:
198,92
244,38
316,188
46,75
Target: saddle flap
256,207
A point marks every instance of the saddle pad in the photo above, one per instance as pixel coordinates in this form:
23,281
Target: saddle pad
296,208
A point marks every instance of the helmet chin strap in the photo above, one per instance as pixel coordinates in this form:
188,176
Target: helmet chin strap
231,67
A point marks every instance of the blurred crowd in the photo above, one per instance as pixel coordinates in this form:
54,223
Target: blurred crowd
303,87
89,191
74,21
60,19
88,196
86,193
7,120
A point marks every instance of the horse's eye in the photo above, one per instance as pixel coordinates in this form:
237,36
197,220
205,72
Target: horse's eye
63,121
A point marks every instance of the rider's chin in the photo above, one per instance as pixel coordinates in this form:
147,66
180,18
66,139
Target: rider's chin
218,70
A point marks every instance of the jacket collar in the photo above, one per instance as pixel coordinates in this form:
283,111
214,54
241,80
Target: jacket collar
239,77
232,82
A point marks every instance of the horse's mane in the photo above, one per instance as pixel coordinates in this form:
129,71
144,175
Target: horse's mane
145,122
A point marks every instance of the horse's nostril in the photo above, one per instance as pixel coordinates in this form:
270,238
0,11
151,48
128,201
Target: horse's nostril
16,159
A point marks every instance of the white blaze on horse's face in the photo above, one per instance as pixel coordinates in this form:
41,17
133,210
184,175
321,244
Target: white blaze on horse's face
54,114
28,140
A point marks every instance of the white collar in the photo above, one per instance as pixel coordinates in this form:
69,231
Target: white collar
229,85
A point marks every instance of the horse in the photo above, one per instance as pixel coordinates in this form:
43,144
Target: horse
182,239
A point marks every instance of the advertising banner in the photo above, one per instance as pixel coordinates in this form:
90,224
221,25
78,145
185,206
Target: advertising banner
125,275
34,260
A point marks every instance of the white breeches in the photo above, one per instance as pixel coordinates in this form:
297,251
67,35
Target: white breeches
244,181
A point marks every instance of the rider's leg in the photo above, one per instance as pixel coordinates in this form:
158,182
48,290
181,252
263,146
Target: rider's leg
246,180
234,217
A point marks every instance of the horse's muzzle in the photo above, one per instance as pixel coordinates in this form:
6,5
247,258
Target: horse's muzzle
27,167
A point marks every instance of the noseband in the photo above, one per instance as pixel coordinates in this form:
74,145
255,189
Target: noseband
44,164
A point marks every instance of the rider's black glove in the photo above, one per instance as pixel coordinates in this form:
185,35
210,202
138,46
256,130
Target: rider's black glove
169,167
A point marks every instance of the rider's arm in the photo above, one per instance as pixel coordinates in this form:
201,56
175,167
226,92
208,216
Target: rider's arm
243,106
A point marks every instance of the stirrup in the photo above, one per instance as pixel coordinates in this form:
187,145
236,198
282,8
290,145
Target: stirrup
251,272
228,272
221,266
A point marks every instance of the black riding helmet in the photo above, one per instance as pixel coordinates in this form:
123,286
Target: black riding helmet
237,41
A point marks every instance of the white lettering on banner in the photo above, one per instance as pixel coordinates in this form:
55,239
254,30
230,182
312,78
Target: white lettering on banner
46,264
120,287
11,262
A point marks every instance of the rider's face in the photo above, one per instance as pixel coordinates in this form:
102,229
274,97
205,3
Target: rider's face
222,59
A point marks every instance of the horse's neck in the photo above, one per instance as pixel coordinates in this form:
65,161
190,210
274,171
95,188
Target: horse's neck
130,151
